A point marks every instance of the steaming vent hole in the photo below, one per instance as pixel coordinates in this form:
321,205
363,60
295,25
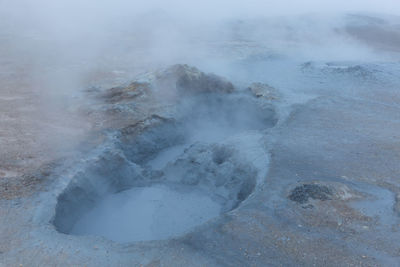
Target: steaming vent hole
163,180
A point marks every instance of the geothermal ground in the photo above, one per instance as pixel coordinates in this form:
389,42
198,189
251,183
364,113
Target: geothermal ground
283,162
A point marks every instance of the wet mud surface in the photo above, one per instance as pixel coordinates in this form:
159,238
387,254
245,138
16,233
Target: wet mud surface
311,178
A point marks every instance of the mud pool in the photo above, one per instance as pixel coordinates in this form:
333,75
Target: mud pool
163,178
148,213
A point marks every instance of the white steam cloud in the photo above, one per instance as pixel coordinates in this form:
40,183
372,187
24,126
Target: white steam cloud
63,46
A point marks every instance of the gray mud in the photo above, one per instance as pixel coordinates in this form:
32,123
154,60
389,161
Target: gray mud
130,192
295,172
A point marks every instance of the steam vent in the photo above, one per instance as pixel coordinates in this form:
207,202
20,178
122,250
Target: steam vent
200,156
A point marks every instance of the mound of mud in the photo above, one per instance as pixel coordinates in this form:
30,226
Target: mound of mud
161,177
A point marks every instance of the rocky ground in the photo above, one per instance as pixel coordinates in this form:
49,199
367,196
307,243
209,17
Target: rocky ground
329,198
309,176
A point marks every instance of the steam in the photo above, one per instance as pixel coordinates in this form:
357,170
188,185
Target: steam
51,50
66,46
90,36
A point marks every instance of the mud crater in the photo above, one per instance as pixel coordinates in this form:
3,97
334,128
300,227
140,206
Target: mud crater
162,178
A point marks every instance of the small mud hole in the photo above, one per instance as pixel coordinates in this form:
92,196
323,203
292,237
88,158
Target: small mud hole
302,193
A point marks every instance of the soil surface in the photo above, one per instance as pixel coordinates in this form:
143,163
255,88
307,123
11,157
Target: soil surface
325,174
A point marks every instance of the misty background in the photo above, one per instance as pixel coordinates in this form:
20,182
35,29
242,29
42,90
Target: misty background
51,51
